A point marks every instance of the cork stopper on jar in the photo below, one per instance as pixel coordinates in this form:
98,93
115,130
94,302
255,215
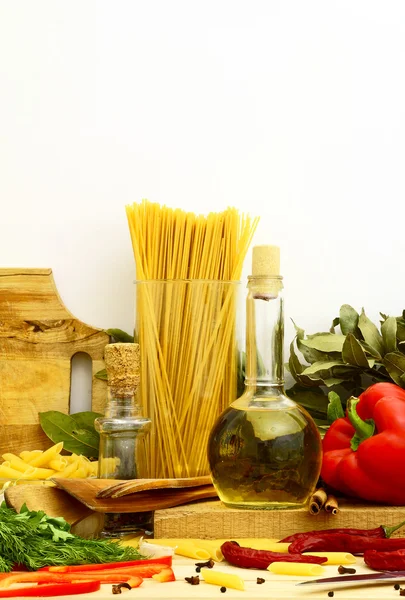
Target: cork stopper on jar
266,261
122,362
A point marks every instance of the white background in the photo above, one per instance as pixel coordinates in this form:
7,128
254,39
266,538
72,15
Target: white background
291,109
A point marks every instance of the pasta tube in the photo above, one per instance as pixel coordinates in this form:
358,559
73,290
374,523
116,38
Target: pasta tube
290,568
28,455
335,558
15,462
45,457
223,579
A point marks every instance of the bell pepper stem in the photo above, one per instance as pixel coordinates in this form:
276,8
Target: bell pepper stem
364,429
388,531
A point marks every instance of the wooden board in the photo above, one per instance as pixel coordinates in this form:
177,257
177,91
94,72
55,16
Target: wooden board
211,519
38,337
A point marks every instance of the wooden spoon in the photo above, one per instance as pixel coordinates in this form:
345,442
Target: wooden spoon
86,491
124,488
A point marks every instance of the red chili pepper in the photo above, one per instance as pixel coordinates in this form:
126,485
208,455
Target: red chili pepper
385,561
162,560
340,542
363,453
260,559
54,589
383,531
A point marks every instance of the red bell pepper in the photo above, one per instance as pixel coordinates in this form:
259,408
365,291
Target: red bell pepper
114,576
165,575
162,560
364,452
53,589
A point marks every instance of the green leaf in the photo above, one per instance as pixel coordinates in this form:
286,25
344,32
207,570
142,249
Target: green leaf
335,408
335,323
389,334
314,400
370,333
400,331
371,351
325,342
101,374
349,319
120,336
322,368
63,428
353,353
85,420
394,362
331,381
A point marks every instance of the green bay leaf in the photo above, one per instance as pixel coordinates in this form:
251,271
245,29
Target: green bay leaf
370,333
63,428
335,408
394,362
349,319
325,342
389,334
353,353
120,336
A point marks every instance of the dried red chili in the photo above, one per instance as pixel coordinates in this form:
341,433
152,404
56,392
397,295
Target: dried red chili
340,542
378,532
385,561
260,559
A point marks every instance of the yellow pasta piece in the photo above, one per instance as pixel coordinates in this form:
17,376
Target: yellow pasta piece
80,473
335,558
37,473
191,551
9,473
28,455
58,464
223,579
212,547
291,568
45,457
15,462
67,472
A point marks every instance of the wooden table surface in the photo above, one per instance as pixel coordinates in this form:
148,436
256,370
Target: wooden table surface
276,587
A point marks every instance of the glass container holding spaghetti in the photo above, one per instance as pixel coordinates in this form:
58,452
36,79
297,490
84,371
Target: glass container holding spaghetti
188,268
264,450
189,368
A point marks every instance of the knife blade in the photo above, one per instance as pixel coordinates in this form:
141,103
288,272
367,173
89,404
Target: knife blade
365,578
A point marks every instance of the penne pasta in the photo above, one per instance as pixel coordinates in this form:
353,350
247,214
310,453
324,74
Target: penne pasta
223,579
58,463
67,472
191,551
27,455
335,558
15,462
37,473
43,458
7,472
80,473
290,568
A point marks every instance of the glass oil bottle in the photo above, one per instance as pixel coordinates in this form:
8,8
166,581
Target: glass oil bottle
264,450
121,431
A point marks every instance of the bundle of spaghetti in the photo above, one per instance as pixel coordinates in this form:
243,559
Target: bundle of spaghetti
187,267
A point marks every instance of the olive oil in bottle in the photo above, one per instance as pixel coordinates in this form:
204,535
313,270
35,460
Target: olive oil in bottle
264,450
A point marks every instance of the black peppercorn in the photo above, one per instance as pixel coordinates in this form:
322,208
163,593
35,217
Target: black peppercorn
223,589
397,586
331,594
198,569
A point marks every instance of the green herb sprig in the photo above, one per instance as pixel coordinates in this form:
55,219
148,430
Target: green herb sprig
33,539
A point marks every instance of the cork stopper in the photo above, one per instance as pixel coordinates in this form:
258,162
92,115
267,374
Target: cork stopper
122,362
266,261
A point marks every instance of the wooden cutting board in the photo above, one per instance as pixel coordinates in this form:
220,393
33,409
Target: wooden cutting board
38,337
210,520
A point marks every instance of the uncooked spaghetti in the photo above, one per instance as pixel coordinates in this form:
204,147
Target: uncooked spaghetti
187,268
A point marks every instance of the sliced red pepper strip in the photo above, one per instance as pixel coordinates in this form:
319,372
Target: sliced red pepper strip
162,560
54,589
260,559
113,576
165,575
